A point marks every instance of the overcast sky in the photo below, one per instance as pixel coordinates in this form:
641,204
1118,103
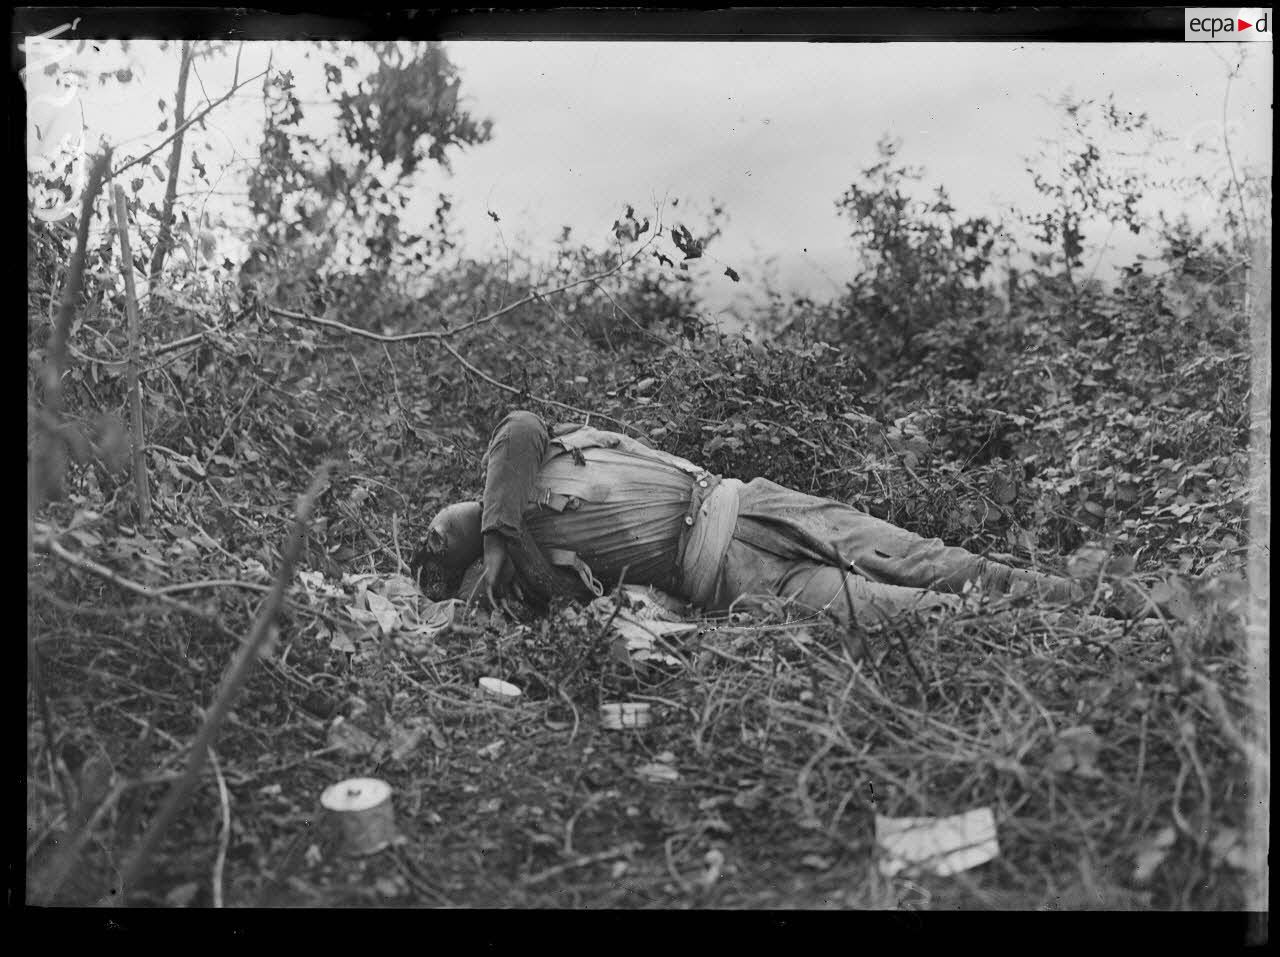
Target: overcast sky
775,132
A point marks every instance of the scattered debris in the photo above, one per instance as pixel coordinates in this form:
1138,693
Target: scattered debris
1228,847
500,689
1077,751
627,714
1150,854
659,770
714,859
937,845
646,615
350,739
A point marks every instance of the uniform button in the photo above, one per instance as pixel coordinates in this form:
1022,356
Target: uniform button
688,519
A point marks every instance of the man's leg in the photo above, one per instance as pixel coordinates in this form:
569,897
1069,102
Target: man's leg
819,588
797,525
822,589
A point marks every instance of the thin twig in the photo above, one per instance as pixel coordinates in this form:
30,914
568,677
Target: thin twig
1231,164
224,838
145,355
395,542
213,449
185,126
622,850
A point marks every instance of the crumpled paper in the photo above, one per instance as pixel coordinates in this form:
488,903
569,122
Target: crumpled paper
647,618
937,845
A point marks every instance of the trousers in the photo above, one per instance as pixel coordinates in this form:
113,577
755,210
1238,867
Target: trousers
823,555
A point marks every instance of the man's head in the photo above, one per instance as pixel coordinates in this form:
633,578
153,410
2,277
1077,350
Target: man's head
453,542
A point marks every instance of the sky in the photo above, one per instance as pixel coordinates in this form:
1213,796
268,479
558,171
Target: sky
772,132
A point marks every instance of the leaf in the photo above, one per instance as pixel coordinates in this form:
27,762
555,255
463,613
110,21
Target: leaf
85,537
1151,853
341,643
315,584
685,242
399,586
1174,599
1228,848
730,273
406,738
182,895
384,611
658,773
1121,565
1086,561
350,739
1077,751
1003,489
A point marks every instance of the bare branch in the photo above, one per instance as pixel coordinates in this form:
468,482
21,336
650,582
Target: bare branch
48,544
449,333
185,126
151,353
514,391
213,583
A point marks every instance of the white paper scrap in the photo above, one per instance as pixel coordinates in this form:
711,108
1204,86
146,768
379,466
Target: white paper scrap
937,845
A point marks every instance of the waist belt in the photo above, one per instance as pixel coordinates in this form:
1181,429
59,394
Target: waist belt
710,521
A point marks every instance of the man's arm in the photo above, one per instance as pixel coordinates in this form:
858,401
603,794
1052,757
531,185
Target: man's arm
512,462
516,449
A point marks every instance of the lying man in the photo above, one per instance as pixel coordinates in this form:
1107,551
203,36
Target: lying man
569,509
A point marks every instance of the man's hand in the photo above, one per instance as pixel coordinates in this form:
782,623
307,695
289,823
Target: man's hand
499,573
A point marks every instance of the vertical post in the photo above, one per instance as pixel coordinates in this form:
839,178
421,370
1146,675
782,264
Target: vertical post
141,486
1259,624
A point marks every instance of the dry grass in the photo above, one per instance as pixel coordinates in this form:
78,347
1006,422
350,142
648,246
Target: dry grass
785,748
